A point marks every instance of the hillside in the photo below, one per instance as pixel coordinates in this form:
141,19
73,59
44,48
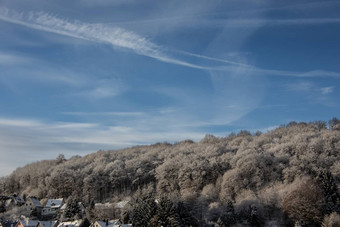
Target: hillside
245,170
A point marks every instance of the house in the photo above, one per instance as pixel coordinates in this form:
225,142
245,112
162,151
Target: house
33,205
108,223
13,201
48,224
36,223
19,201
27,223
52,207
70,223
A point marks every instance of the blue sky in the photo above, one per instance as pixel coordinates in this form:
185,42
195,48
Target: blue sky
79,76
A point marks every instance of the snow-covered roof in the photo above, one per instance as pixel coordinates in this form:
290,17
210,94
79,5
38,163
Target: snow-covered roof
8,202
29,223
121,204
115,221
35,201
54,203
107,205
47,223
19,199
111,223
63,207
101,223
70,223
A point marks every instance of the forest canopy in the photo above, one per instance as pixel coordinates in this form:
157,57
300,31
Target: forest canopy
242,171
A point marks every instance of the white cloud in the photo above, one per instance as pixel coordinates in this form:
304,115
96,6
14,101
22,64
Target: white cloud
313,92
67,125
309,87
104,113
19,122
237,93
90,3
305,86
314,73
327,90
42,72
104,88
10,59
33,140
103,92
271,22
48,75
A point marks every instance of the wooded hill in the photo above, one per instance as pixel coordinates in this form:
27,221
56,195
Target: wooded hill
274,175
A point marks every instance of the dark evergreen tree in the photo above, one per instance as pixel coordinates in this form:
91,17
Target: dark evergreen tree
2,207
185,216
253,218
72,208
85,223
167,213
229,217
144,210
330,191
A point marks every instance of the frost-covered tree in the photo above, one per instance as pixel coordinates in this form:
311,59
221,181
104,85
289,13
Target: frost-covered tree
331,220
201,176
305,203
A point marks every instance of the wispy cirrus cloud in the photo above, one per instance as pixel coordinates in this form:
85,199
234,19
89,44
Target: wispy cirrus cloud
100,33
269,22
121,38
314,90
92,32
273,72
